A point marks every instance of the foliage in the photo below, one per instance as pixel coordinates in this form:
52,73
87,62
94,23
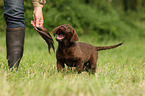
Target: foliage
101,18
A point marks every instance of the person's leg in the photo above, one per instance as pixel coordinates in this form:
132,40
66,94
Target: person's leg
15,31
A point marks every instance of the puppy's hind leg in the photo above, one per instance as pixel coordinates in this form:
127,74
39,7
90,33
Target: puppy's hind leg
93,64
93,68
60,66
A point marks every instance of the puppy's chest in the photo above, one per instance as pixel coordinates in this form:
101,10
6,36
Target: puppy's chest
66,52
68,57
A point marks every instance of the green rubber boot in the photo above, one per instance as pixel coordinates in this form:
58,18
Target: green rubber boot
15,43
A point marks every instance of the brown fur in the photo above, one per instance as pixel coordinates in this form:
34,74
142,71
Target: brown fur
83,56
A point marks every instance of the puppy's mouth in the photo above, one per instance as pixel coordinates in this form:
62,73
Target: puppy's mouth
60,35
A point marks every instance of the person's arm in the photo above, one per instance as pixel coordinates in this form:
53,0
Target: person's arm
37,13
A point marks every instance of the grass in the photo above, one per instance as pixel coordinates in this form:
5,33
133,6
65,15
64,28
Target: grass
120,72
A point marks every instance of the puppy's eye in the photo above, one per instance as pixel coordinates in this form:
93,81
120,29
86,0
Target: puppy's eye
73,31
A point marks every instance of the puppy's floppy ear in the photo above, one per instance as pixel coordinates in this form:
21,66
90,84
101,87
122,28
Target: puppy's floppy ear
55,30
74,37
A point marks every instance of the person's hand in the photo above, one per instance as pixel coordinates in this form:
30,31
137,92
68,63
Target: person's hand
37,17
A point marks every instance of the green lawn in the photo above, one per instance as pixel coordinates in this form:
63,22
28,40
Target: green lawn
120,72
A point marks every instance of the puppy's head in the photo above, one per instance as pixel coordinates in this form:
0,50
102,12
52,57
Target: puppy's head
65,33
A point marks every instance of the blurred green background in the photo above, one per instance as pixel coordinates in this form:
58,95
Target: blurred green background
105,19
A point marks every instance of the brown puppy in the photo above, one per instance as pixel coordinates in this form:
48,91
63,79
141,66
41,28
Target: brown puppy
83,56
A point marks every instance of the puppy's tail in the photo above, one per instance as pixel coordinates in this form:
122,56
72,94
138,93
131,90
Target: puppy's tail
107,47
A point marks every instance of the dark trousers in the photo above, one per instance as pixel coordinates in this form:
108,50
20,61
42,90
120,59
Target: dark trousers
14,13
